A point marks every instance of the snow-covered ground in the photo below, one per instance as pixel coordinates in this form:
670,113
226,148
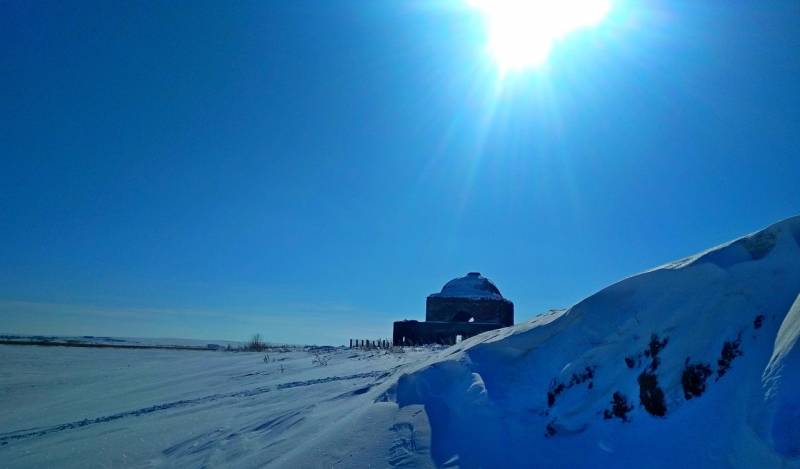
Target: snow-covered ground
84,407
693,364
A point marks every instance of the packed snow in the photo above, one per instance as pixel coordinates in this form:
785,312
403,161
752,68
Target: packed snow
692,364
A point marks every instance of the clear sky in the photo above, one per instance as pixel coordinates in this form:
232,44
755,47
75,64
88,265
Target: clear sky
311,170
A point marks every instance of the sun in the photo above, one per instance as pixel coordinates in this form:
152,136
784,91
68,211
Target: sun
521,33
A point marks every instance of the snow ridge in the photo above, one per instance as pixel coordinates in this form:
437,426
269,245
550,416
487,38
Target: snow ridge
694,363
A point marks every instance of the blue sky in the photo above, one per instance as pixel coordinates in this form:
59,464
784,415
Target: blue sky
311,170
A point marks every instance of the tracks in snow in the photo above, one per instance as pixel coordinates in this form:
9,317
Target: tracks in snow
6,438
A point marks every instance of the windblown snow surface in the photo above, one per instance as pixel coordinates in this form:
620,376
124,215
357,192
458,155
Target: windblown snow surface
693,364
65,407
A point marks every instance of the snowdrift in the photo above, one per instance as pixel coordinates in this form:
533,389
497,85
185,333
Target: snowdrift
692,364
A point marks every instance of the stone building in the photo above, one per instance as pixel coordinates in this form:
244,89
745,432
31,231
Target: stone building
466,306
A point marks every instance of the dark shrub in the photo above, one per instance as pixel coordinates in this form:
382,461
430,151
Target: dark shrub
650,395
255,344
694,379
557,388
630,362
619,408
758,321
654,348
730,350
550,431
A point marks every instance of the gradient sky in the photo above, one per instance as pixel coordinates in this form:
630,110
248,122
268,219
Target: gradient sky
311,170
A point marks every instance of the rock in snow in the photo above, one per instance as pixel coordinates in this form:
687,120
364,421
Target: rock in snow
693,364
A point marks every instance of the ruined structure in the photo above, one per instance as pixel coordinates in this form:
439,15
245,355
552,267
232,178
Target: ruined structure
465,307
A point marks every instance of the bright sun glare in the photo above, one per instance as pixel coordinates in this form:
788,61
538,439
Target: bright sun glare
522,32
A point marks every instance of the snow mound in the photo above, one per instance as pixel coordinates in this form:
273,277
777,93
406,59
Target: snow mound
695,364
473,285
782,382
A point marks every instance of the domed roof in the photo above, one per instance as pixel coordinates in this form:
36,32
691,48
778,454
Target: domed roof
473,285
